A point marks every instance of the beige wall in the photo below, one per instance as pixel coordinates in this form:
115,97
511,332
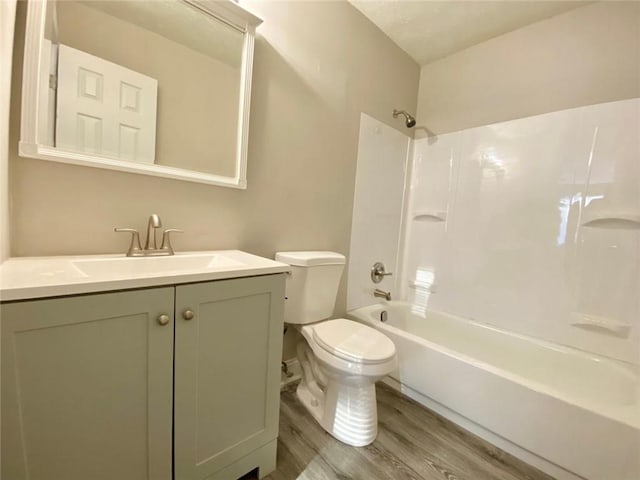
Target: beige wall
317,66
585,56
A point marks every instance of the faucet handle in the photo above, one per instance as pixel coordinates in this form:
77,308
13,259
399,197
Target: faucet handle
378,272
134,246
166,239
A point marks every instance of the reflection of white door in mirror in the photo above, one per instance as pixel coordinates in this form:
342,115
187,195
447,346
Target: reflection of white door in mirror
104,108
184,64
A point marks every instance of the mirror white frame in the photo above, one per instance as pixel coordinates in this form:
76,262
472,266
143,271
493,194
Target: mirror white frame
33,78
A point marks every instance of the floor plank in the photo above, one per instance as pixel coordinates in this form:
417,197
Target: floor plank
413,443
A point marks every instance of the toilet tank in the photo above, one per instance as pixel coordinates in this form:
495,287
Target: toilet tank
312,287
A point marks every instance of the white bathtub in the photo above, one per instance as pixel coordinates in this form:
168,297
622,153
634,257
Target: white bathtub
570,413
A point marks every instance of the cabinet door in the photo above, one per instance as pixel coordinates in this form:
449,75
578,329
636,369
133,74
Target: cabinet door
227,372
87,387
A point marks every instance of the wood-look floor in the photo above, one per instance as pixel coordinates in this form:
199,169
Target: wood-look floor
413,443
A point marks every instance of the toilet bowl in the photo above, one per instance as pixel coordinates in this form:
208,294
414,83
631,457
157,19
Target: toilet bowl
340,359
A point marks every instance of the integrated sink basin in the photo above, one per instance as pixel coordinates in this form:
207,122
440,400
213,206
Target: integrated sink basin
142,266
24,278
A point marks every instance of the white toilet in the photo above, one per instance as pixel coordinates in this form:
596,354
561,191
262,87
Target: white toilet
341,359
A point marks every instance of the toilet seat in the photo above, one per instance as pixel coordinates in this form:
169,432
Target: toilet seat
353,341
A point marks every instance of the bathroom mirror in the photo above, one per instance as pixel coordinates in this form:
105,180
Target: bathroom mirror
157,87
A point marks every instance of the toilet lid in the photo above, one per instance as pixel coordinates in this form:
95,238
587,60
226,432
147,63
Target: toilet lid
353,341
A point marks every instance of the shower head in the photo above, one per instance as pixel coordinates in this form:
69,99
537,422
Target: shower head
409,120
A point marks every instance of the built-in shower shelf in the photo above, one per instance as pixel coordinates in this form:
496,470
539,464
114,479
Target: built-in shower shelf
429,216
605,324
614,221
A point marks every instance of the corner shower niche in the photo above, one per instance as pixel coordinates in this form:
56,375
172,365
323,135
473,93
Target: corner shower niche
135,384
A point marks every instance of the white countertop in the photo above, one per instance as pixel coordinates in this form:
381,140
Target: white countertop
24,278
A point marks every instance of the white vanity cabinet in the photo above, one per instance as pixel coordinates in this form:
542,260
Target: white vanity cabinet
92,389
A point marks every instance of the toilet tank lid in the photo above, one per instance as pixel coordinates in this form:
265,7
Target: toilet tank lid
308,259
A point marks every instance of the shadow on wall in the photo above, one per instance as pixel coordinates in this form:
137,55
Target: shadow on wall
424,132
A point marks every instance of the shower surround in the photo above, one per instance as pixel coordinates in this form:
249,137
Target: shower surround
533,225
519,280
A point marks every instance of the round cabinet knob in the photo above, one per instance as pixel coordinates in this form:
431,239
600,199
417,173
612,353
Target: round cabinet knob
163,319
188,315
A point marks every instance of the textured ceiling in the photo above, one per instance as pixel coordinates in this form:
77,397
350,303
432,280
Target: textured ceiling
429,30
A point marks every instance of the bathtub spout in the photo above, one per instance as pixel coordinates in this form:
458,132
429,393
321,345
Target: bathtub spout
382,294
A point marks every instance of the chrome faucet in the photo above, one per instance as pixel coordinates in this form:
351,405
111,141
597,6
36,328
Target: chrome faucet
382,294
150,244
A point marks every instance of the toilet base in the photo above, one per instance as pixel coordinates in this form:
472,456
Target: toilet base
348,412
